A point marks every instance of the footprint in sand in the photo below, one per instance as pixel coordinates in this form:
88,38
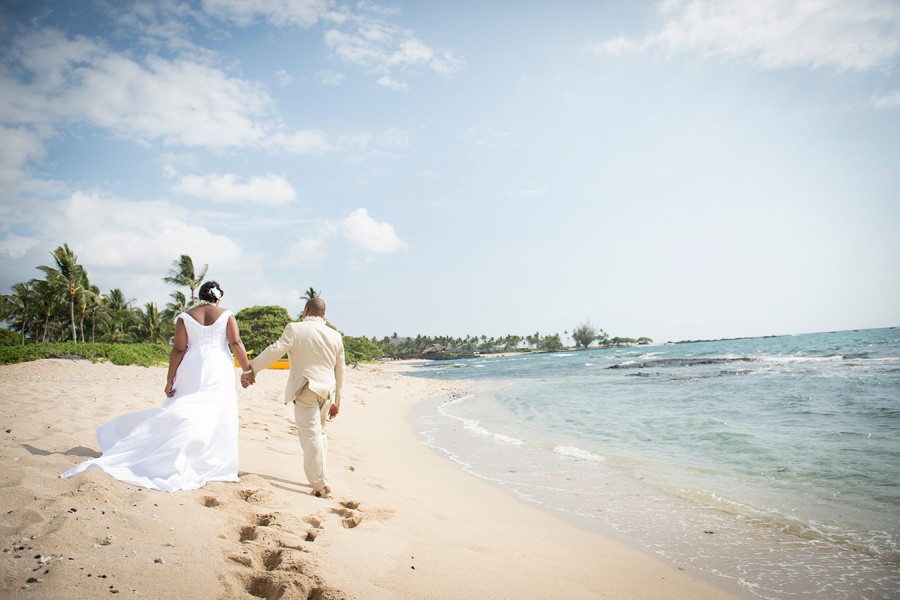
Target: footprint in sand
256,496
272,549
287,586
352,513
349,518
279,529
210,502
278,567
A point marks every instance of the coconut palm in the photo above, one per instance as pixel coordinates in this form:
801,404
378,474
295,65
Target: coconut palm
178,305
46,301
17,308
116,301
310,294
68,276
94,304
87,297
183,274
116,316
148,324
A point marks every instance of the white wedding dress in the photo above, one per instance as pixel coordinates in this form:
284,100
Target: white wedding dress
193,438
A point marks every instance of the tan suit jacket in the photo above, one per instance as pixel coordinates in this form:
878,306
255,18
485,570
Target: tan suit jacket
316,352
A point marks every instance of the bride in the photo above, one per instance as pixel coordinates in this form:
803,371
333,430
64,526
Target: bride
193,438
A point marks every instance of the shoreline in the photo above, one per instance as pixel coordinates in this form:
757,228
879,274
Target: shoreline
404,522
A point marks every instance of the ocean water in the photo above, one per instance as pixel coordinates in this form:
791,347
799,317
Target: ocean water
772,462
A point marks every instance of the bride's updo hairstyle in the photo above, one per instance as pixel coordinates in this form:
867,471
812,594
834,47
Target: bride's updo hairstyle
210,292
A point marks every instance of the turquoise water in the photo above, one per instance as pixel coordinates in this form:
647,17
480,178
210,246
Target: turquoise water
771,462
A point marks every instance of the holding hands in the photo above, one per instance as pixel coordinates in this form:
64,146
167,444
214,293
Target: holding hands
248,378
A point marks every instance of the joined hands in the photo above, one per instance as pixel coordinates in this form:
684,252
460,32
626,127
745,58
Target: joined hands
248,379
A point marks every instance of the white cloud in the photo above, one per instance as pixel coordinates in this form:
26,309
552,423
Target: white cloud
269,190
328,77
614,47
137,235
175,101
360,35
359,228
20,145
775,34
15,246
299,142
175,162
365,39
312,250
121,243
391,83
410,52
888,100
302,13
372,236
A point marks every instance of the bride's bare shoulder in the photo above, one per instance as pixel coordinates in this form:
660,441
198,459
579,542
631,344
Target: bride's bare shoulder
205,315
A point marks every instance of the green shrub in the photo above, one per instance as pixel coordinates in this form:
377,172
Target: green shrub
361,349
144,355
261,326
9,338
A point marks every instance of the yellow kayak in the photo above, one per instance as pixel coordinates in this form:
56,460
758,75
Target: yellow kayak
279,364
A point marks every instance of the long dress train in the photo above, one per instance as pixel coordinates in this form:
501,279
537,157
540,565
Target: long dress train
193,438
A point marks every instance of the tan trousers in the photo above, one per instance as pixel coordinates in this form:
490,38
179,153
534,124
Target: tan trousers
310,413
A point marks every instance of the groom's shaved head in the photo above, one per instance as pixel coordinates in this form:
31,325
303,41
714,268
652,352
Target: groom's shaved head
315,307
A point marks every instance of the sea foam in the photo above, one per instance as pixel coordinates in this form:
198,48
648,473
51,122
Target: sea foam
578,453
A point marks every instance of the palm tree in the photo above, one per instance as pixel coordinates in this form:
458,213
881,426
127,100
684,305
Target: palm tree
310,294
68,276
149,324
87,297
115,300
17,308
94,303
46,300
182,274
116,316
178,305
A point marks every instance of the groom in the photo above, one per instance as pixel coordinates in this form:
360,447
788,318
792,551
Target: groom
316,353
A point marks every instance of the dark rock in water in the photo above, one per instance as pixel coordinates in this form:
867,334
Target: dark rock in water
681,362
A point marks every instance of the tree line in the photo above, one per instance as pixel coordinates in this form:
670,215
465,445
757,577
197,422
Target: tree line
584,336
64,306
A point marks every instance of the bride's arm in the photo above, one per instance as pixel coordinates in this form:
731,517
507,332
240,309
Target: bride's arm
178,349
233,333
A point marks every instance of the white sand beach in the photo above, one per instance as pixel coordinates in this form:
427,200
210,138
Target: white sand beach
404,521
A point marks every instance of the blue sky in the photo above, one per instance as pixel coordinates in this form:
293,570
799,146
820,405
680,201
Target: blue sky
676,169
